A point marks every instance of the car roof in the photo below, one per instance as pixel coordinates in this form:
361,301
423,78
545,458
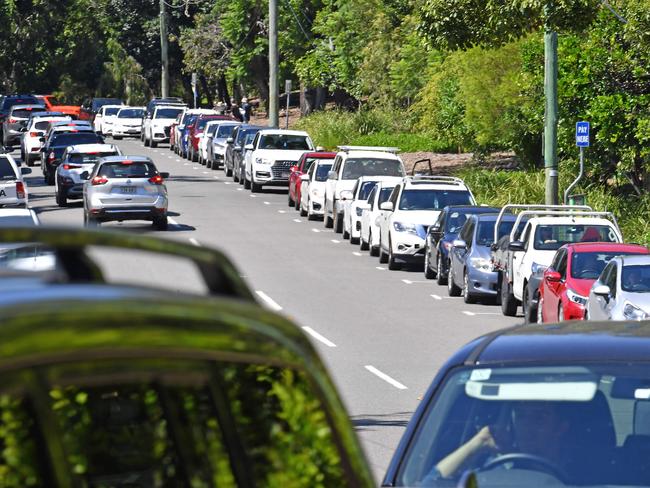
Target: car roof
635,260
26,105
563,220
568,342
113,159
353,154
411,184
15,212
267,131
114,105
320,155
85,148
159,106
577,247
489,216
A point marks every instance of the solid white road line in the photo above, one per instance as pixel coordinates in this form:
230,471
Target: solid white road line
386,378
227,182
195,242
315,230
336,242
319,337
272,304
172,221
253,196
472,314
184,164
206,172
240,189
178,161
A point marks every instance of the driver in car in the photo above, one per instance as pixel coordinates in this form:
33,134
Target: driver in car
633,278
538,430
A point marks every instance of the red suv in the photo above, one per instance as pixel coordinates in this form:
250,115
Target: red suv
566,283
196,130
304,163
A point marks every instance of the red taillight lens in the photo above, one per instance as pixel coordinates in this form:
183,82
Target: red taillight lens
71,166
99,180
156,180
34,134
20,189
12,120
51,156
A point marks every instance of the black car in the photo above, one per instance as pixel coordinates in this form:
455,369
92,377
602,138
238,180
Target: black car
554,405
151,105
56,145
440,236
107,384
235,149
91,106
9,101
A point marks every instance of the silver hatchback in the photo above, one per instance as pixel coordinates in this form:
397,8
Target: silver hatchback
125,188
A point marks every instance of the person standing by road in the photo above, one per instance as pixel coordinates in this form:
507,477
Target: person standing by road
246,110
234,110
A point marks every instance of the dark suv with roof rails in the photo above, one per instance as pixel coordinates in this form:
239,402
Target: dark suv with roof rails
9,101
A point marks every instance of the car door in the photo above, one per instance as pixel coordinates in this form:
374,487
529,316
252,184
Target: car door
610,303
517,264
554,290
598,304
457,254
386,217
330,185
248,157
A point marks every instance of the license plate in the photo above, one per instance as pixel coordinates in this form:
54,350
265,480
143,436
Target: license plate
133,131
128,189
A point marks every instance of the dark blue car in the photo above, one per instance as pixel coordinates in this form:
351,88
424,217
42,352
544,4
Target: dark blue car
440,236
555,405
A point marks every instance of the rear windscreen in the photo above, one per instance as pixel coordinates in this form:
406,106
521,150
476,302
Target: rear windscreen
22,113
225,131
6,170
131,113
7,103
73,138
136,169
167,113
42,125
80,158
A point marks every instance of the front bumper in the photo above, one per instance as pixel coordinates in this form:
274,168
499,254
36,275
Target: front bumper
406,245
482,282
160,134
316,206
126,132
573,311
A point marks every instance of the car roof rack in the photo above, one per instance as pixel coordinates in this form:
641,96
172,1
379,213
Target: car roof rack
419,161
347,149
508,208
69,244
447,180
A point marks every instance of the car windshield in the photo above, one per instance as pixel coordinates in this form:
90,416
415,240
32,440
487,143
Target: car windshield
72,138
589,265
485,232
128,169
9,102
131,113
321,171
167,113
6,170
636,278
22,113
432,199
365,189
553,236
80,158
43,125
284,142
577,425
225,131
212,129
190,120
354,168
111,110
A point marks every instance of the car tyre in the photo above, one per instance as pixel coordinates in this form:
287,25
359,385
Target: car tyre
160,223
303,212
383,257
530,312
428,272
508,301
468,297
228,171
374,250
255,187
153,143
363,245
337,223
392,261
247,184
49,178
290,201
329,221
452,289
441,279
61,198
146,142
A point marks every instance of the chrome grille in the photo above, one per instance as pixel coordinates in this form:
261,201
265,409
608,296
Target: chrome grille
281,169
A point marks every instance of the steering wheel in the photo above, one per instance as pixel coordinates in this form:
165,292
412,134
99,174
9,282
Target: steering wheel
537,463
588,273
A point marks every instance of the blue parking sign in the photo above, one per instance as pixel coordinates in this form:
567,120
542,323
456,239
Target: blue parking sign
582,134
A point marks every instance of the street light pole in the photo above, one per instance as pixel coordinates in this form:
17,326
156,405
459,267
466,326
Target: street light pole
274,100
164,58
551,112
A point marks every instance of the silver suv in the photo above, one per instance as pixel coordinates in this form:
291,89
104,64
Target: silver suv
125,188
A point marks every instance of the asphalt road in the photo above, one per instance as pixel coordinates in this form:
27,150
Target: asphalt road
383,334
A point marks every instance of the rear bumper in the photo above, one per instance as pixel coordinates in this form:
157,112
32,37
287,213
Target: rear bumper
128,213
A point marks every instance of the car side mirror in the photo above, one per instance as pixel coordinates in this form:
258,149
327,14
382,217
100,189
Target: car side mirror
164,175
304,177
331,175
347,195
459,244
553,277
230,140
602,291
386,206
85,175
516,246
25,171
249,147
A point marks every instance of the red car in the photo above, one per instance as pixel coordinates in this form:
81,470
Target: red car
566,283
304,163
53,106
196,129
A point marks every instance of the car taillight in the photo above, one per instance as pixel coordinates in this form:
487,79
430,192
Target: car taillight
12,120
71,166
34,134
156,180
20,189
51,156
99,180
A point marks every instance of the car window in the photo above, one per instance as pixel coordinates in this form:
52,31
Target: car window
211,129
589,265
167,113
22,113
485,232
72,138
185,423
203,121
87,158
562,264
429,199
636,278
372,196
553,236
356,167
43,125
284,142
455,222
384,194
7,171
127,169
611,280
395,195
365,190
322,171
130,113
111,110
224,131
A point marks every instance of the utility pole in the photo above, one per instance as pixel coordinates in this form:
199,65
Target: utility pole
550,114
274,100
164,58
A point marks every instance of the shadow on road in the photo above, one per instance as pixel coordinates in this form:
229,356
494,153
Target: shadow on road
367,422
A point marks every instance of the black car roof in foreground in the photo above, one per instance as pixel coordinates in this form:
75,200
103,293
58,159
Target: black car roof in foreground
578,341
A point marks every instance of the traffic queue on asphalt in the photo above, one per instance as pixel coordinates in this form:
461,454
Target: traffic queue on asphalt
565,405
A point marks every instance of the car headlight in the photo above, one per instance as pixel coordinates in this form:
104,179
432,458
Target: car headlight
481,263
537,268
263,161
632,312
400,227
576,298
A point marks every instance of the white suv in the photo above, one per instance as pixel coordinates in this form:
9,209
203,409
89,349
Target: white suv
414,204
350,163
272,154
13,191
155,129
30,143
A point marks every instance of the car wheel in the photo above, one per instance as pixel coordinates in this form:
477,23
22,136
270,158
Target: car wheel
61,198
160,223
441,278
329,221
228,171
303,212
508,300
383,257
346,234
153,143
338,223
452,289
298,204
468,297
560,313
146,142
49,178
255,187
242,178
355,240
530,312
247,184
392,261
290,202
428,272
363,245
374,250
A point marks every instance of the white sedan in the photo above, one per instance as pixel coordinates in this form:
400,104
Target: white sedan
370,213
312,189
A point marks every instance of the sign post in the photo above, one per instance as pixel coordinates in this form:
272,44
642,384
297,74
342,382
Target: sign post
582,141
287,91
194,91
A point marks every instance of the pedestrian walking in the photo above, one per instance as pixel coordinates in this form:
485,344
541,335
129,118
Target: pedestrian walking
245,110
